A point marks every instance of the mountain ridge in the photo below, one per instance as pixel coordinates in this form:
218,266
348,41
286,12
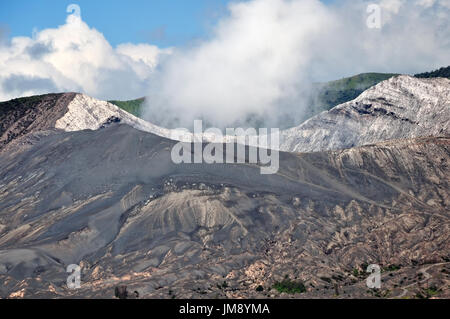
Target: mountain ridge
63,111
401,107
421,110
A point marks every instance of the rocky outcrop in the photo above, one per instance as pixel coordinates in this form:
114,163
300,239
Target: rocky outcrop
87,113
22,116
402,107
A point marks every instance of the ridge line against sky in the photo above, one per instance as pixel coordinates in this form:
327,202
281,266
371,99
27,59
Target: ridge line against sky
255,57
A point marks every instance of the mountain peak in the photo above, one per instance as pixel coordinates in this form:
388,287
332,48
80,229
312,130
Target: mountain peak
66,111
400,107
87,113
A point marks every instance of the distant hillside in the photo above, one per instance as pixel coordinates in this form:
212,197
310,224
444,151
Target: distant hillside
402,107
134,106
441,73
326,96
337,92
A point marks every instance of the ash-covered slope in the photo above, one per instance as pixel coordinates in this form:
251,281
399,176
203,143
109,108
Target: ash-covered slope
66,111
113,202
22,116
399,108
87,113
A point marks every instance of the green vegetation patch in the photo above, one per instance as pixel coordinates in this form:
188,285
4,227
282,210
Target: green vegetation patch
441,73
347,89
331,94
427,293
133,106
391,268
290,287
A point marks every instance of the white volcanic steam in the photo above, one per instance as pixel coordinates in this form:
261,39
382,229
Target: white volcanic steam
265,54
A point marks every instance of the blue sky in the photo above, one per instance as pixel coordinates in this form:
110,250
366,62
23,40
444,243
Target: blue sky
160,22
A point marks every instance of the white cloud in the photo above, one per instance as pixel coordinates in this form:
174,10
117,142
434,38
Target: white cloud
430,3
75,57
252,63
266,51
